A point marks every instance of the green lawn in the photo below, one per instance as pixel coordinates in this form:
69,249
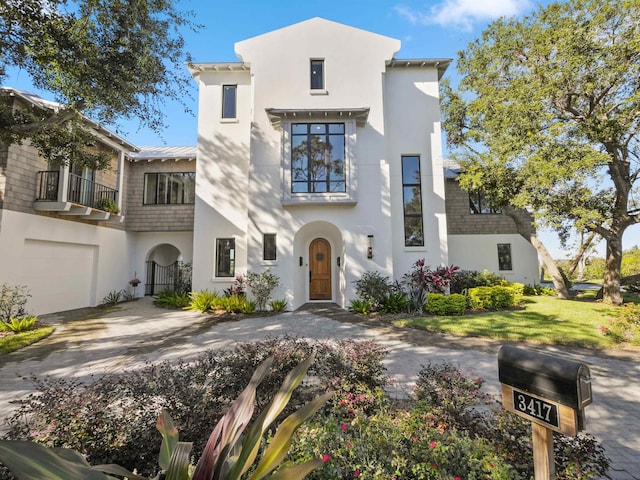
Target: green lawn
542,320
17,341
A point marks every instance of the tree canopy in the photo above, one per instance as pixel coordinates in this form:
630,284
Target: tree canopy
107,59
547,115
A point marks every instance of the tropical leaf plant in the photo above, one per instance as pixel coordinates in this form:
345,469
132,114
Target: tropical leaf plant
231,451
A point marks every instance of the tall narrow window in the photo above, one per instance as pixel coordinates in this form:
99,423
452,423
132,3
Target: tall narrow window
317,158
229,101
412,197
504,256
269,246
225,257
317,74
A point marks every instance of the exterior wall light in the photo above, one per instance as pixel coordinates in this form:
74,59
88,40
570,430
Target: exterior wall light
369,246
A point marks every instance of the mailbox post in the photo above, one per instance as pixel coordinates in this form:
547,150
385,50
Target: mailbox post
549,391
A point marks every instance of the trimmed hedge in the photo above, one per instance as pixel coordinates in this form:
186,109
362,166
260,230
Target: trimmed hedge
440,304
496,298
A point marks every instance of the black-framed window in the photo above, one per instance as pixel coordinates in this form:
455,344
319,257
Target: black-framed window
479,204
412,199
169,188
225,257
269,246
229,101
318,158
504,256
317,74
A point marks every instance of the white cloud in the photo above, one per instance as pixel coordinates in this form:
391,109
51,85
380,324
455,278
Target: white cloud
464,13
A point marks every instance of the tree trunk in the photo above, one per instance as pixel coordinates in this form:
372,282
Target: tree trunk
526,230
552,268
613,261
579,260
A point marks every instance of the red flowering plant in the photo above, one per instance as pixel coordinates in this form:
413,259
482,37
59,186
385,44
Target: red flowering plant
421,280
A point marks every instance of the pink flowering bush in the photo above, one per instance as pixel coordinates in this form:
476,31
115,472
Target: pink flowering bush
626,326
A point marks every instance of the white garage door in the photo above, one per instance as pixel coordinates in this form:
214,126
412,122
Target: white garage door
61,276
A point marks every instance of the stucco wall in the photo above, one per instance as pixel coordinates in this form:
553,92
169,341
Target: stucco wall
65,265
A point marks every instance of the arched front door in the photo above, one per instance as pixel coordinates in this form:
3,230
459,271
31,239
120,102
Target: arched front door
320,270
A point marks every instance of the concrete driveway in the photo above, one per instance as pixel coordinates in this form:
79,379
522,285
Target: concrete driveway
138,331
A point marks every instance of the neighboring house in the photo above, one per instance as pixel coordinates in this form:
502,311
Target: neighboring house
320,158
57,239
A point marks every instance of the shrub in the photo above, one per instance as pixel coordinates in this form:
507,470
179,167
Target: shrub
373,287
13,300
362,307
237,304
261,285
626,327
395,302
112,420
538,290
112,298
495,298
172,299
228,450
278,305
422,278
18,325
238,287
108,205
466,279
436,304
456,304
203,300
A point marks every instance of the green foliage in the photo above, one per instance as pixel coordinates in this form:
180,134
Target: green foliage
132,52
495,298
108,205
13,300
362,307
172,299
230,452
395,302
236,304
11,343
17,325
439,304
112,298
538,290
113,419
626,326
261,285
278,305
203,300
532,130
466,279
372,288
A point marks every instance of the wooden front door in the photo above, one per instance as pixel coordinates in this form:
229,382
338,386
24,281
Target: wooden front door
320,270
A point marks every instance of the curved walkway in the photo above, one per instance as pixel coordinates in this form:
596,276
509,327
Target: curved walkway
136,332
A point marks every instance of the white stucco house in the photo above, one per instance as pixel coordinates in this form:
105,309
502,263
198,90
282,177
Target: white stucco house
320,158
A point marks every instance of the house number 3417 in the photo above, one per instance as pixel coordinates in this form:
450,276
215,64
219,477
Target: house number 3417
536,408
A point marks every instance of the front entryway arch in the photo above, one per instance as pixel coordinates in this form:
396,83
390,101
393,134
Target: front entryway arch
319,250
163,267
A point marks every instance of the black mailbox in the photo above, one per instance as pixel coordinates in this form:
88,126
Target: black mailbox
557,379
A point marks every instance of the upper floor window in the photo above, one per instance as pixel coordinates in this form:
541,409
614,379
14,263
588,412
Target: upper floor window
317,74
229,94
225,257
412,199
504,256
480,204
169,188
318,158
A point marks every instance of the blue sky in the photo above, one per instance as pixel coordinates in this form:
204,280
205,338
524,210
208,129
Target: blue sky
427,28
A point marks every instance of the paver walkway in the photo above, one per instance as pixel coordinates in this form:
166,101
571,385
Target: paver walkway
139,332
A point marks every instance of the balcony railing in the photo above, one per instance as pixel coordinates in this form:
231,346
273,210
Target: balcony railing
80,191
